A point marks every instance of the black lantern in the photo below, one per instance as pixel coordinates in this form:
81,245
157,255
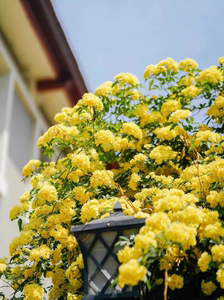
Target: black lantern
97,241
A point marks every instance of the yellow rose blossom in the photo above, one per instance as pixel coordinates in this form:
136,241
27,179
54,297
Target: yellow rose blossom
162,153
132,129
41,252
100,178
169,63
91,100
125,254
105,138
204,261
220,276
131,273
90,210
151,118
218,253
166,133
127,78
32,166
81,195
188,64
211,74
175,282
179,114
104,89
2,267
180,233
208,287
135,178
81,160
170,106
191,91
33,291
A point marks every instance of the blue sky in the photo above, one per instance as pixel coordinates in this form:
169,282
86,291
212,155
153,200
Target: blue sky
113,36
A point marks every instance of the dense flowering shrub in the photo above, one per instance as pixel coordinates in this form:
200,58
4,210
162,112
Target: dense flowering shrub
139,145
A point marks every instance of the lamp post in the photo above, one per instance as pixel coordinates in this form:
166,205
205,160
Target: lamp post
97,241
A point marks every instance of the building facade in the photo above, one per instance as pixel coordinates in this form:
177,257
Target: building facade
38,76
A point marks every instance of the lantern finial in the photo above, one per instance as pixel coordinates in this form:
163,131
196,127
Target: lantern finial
118,207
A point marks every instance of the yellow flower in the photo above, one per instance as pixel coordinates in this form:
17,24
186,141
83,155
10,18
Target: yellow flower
125,254
18,210
141,110
25,197
127,78
154,116
135,178
218,253
104,89
166,133
43,252
33,291
149,71
179,114
74,297
79,261
191,91
81,195
66,214
131,273
180,233
208,287
74,276
220,276
221,60
90,210
143,242
204,261
105,138
100,178
132,129
188,64
158,221
164,264
170,106
89,99
212,74
81,160
32,166
47,193
60,117
175,282
36,179
162,153
2,267
169,63
217,109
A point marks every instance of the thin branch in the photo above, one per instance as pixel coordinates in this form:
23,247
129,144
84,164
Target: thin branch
165,285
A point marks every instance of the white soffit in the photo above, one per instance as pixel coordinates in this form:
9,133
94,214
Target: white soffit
53,102
23,41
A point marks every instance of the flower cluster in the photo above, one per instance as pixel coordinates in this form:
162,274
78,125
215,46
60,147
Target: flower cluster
147,152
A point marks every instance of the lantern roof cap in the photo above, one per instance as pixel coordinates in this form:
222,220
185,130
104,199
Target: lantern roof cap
113,222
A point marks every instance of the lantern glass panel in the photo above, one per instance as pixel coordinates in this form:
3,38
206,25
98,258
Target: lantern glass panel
103,262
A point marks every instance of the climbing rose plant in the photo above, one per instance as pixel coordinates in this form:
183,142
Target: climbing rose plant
140,145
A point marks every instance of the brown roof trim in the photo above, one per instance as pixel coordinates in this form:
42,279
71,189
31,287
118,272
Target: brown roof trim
44,20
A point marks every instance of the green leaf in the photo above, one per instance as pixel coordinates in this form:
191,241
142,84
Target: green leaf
20,224
173,126
151,83
148,285
115,82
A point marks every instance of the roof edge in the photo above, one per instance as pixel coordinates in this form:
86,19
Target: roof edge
45,22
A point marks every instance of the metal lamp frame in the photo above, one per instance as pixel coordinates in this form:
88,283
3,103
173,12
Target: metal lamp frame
118,223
